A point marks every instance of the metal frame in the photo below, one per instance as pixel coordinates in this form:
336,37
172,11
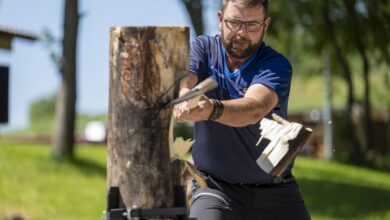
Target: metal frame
115,212
140,214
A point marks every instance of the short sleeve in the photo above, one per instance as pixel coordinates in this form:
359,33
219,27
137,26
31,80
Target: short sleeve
276,75
198,57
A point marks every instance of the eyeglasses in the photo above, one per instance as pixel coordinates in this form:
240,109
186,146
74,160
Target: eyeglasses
250,26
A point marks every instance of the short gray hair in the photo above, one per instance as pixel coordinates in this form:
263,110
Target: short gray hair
247,4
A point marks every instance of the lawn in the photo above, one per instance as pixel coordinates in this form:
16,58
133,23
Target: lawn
338,191
34,186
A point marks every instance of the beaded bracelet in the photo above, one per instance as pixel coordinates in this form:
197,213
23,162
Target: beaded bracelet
217,110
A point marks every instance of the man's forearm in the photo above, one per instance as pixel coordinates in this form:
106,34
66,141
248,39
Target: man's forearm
258,101
242,112
191,82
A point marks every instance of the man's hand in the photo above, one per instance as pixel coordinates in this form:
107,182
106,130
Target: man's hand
202,111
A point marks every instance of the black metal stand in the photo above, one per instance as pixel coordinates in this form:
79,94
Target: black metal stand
114,212
138,214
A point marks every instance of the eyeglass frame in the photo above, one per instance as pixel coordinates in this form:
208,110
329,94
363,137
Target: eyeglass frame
261,23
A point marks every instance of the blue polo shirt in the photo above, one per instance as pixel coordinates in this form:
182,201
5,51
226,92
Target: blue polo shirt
230,153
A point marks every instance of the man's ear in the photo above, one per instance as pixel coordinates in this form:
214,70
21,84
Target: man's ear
220,20
267,22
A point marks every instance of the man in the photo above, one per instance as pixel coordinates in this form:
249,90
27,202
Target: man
254,81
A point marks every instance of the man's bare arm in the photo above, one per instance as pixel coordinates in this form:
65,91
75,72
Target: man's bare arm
192,79
258,101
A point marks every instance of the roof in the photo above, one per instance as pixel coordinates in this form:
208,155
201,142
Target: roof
7,34
12,32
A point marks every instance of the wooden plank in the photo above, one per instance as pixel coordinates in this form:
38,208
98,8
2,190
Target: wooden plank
282,141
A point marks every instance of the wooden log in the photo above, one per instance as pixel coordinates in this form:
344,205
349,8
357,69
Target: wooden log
144,63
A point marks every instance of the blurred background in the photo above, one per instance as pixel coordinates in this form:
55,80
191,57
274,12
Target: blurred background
53,165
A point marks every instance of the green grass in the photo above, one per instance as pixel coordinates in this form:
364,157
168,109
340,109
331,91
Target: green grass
38,188
338,191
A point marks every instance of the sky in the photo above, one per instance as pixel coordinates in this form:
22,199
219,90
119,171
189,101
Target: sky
34,76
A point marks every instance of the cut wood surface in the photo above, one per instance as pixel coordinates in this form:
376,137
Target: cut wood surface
282,141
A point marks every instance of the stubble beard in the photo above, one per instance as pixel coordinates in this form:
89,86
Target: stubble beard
239,52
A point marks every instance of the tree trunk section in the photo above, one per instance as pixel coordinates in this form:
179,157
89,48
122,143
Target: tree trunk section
357,155
144,63
63,141
368,128
195,11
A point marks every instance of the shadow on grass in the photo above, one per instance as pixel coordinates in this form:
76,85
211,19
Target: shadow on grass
88,167
341,200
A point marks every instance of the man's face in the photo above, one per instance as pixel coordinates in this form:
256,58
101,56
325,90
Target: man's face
240,43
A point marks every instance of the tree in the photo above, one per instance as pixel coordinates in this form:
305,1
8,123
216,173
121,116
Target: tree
63,145
195,11
350,29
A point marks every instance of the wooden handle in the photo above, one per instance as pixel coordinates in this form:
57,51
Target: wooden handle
192,103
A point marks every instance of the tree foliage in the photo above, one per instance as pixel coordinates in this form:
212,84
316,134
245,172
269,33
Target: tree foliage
42,108
350,30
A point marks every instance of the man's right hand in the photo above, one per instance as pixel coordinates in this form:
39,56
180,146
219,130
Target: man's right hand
180,110
201,112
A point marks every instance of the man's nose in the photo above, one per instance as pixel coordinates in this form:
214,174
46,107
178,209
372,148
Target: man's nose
242,29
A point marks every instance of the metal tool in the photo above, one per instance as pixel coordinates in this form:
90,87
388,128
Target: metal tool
195,93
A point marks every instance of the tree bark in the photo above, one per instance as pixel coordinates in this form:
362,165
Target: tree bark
63,141
195,11
144,63
357,155
359,38
367,100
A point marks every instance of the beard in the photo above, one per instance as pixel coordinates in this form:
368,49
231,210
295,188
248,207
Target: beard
240,47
